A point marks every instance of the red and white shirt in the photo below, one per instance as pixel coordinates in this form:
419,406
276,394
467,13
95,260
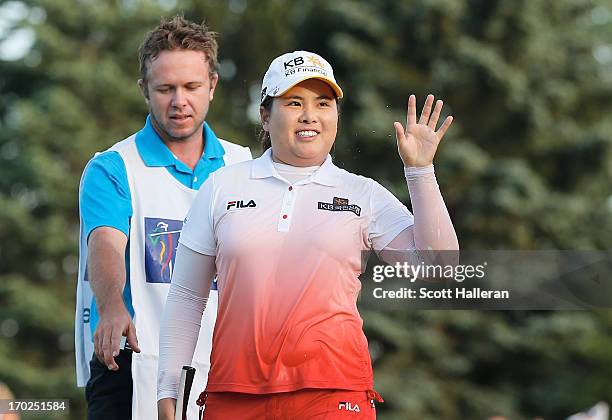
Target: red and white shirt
288,258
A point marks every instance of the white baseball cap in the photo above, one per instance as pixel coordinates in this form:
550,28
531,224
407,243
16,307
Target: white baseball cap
292,68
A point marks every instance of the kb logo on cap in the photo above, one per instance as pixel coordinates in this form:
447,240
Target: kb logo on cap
298,61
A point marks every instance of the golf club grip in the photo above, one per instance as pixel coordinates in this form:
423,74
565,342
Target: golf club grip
187,374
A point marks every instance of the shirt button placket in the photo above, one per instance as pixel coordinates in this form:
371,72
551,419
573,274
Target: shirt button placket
286,210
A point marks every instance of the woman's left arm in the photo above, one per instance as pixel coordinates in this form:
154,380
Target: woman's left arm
433,228
417,146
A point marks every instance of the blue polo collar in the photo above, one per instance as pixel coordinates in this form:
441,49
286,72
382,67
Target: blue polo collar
154,151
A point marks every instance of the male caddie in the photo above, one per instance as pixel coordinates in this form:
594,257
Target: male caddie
133,199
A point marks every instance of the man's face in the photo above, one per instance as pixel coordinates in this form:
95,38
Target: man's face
179,90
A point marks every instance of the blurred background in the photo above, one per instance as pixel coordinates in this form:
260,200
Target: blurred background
526,165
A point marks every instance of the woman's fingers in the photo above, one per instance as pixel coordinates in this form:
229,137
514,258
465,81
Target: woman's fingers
447,123
428,117
426,110
433,121
411,114
399,132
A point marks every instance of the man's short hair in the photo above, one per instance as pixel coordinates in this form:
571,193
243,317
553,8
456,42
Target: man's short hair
174,34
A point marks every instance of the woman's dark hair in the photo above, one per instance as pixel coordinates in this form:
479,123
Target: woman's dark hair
264,136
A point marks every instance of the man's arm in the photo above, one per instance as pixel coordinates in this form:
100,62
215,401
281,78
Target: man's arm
105,207
106,271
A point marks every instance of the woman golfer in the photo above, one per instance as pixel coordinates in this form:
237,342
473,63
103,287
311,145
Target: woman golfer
284,235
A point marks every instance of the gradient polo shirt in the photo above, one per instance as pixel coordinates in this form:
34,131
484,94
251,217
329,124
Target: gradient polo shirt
288,259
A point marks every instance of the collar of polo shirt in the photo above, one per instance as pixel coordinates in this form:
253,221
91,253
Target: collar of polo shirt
155,152
327,174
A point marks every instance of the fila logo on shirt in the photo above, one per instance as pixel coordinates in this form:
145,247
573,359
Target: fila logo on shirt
340,204
345,405
240,204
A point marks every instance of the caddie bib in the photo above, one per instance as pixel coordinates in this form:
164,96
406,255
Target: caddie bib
159,205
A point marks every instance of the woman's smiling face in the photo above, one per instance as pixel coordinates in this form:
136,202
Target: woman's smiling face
302,123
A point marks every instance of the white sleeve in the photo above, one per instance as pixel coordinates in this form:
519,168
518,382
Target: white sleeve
389,217
198,231
180,325
433,228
